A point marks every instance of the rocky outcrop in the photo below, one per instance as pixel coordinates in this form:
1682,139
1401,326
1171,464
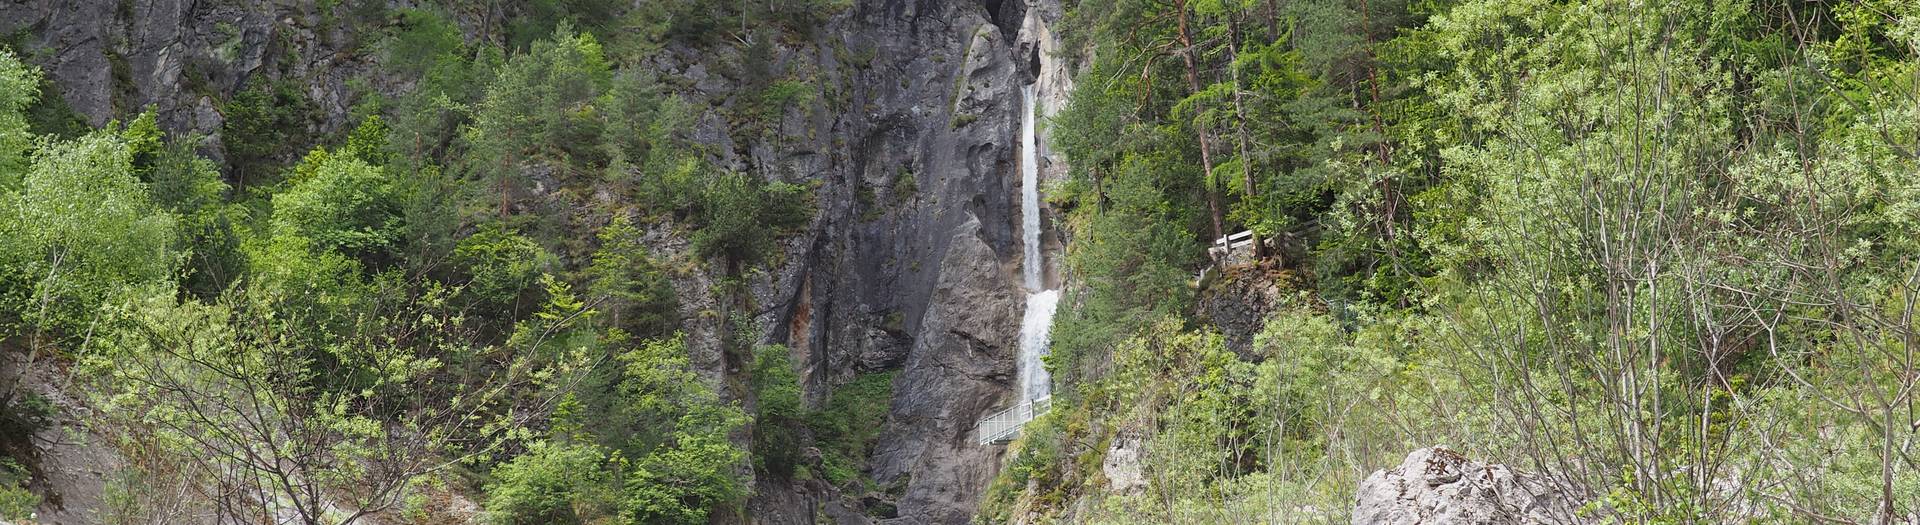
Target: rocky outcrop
73,460
910,266
181,58
1053,68
1239,299
964,355
1122,464
1437,486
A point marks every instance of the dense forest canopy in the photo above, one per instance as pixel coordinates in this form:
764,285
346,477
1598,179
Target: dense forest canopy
1665,253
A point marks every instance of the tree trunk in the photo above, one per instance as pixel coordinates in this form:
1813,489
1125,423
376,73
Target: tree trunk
1240,123
1389,201
1099,192
506,204
1273,21
1187,55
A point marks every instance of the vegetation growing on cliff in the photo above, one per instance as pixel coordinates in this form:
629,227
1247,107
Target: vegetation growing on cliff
1651,248
1662,250
454,292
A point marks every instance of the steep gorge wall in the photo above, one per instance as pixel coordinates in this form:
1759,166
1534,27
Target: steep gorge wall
910,263
925,285
930,289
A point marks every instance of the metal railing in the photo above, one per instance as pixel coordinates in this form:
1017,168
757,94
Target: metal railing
1005,425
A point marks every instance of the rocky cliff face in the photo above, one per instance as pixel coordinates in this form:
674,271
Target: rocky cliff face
961,367
111,58
910,264
944,268
926,286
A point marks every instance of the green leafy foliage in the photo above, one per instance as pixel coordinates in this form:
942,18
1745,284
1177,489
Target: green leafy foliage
346,204
451,79
543,105
630,286
846,426
422,39
21,87
1138,245
1515,222
664,454
80,231
779,416
543,19
503,265
190,187
356,328
16,502
740,216
653,24
235,386
554,483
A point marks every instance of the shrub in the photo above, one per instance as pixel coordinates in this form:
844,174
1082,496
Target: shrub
16,502
346,205
687,466
370,142
631,286
190,186
846,427
421,38
322,288
501,264
26,414
544,105
740,216
1133,257
668,434
553,483
19,88
776,388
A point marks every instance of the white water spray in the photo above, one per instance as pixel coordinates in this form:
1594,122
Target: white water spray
1038,321
1030,192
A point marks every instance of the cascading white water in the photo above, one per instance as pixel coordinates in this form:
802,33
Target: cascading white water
1034,328
1038,321
1030,192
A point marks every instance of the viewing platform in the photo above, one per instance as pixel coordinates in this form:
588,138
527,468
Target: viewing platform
1003,426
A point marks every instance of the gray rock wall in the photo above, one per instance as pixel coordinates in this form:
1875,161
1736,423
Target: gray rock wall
918,276
111,58
929,286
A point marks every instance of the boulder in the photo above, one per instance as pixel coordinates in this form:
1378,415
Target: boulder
1437,486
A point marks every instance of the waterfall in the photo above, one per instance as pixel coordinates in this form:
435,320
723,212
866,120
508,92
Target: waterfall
1030,193
1034,328
1038,321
